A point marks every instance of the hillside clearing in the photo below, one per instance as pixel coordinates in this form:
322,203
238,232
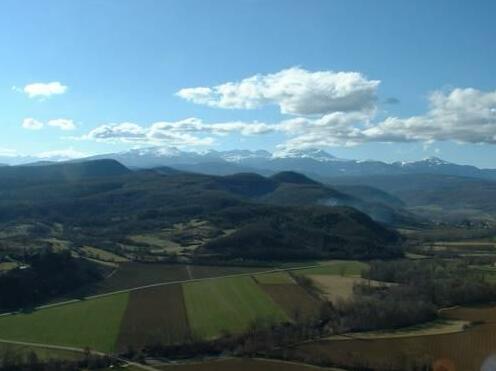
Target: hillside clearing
107,256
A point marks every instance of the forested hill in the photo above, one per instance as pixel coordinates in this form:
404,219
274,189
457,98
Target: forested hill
104,201
20,176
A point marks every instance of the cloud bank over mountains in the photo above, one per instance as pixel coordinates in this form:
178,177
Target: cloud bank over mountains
324,109
318,109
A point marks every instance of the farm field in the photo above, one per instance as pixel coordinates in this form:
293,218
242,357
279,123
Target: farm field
130,275
206,271
482,313
437,327
334,288
274,278
92,323
293,299
157,242
227,305
337,267
243,365
463,350
155,315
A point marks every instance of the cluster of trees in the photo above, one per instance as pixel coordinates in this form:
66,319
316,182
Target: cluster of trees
10,360
46,275
388,308
440,282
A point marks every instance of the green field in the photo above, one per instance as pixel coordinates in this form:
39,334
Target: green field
227,305
337,268
93,323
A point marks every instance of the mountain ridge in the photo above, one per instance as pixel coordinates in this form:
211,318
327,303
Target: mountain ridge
311,162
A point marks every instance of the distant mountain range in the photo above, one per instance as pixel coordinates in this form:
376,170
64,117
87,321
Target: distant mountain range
313,162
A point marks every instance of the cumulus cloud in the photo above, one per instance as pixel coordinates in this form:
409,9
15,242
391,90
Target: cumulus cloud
43,90
128,132
460,115
191,131
63,124
32,124
295,90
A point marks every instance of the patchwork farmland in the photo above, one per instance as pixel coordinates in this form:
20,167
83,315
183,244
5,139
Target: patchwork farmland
175,312
296,302
199,306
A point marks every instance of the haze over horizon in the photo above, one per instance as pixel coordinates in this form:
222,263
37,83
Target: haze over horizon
358,79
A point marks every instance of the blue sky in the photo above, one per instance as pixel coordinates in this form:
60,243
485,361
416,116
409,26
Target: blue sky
395,80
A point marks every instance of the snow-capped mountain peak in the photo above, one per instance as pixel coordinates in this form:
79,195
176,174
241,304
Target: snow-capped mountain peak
428,161
243,154
161,151
311,153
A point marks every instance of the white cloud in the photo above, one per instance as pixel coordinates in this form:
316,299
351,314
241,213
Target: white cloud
32,124
43,90
191,131
126,132
461,115
296,91
157,133
63,124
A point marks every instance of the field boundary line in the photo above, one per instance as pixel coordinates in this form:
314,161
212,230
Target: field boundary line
159,284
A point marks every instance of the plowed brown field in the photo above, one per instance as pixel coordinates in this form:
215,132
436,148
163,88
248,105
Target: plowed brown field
294,300
154,315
